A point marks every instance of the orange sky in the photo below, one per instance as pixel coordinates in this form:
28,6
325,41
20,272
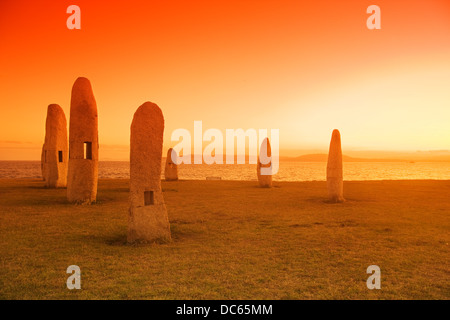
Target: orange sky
304,67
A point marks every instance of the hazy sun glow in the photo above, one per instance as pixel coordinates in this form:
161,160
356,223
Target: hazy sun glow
304,67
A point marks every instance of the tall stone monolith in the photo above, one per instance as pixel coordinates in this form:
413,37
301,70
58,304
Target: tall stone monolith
334,169
83,144
171,169
55,149
148,219
264,161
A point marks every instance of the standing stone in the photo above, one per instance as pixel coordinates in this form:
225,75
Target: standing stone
171,169
83,144
334,169
55,149
265,152
42,162
148,219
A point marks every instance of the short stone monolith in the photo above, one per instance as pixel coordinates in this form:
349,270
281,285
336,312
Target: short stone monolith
83,144
55,148
171,169
264,161
148,220
42,162
335,182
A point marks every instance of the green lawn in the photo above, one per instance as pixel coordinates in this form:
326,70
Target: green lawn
231,240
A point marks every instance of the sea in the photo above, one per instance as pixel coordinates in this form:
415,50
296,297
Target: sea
288,171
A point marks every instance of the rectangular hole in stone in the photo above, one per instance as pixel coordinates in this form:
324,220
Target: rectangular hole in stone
45,156
148,198
60,156
88,150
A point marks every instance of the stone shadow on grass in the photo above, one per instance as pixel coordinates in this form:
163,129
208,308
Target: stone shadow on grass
43,201
119,239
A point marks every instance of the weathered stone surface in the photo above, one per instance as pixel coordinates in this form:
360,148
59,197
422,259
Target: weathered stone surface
148,219
265,152
55,148
334,169
83,144
171,169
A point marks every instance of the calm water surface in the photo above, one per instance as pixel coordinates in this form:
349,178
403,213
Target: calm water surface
289,171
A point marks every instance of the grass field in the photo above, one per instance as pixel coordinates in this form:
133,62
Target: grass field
231,240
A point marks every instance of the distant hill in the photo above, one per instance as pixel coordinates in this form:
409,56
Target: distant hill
396,157
322,157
